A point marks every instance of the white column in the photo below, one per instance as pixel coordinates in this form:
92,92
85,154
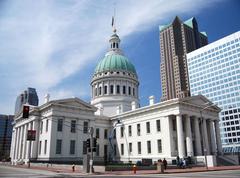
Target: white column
213,140
35,143
25,141
181,144
218,138
28,142
21,142
205,136
198,145
18,143
189,142
167,136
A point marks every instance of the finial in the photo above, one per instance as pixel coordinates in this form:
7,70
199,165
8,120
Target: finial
113,19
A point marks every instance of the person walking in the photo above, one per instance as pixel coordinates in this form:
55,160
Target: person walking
165,163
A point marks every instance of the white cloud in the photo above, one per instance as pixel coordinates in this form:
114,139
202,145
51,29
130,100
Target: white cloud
44,42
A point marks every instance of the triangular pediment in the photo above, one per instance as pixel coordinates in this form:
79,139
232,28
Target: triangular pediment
200,101
74,102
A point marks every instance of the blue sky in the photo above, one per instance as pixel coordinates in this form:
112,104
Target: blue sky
54,45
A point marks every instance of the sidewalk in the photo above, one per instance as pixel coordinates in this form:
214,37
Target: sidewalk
68,170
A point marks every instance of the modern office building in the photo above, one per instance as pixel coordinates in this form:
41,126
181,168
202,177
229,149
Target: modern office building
5,135
176,40
214,71
28,96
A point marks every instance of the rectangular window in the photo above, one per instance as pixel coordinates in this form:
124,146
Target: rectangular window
105,89
149,146
158,125
73,126
159,143
60,125
138,130
41,127
111,89
122,130
122,149
46,125
45,147
129,130
130,147
105,133
40,147
105,151
97,133
139,148
124,89
72,147
118,89
85,127
59,146
148,127
129,90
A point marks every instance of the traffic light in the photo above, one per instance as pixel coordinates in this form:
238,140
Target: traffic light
25,111
88,143
94,142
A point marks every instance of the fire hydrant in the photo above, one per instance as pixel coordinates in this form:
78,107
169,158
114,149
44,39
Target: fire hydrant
134,168
73,168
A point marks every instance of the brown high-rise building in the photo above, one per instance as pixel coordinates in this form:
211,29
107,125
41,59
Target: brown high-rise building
176,40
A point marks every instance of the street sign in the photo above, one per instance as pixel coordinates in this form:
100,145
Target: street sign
31,135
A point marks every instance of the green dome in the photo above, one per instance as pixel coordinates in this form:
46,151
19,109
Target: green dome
115,62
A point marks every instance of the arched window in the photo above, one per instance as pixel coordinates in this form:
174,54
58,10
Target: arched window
117,45
100,90
105,89
113,45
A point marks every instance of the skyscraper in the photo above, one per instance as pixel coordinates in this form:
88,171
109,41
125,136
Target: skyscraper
28,96
176,40
5,135
214,71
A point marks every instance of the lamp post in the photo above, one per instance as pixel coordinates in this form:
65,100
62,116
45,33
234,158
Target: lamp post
203,138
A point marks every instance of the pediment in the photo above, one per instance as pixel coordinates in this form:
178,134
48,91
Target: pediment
74,102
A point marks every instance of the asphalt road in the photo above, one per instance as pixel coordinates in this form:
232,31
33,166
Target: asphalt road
13,172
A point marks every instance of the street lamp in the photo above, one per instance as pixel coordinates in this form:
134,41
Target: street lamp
203,138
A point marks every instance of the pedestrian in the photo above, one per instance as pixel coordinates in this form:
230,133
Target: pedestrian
165,163
178,161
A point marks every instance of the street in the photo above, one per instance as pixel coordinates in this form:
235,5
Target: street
14,172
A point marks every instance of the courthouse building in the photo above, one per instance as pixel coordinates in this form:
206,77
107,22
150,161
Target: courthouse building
125,131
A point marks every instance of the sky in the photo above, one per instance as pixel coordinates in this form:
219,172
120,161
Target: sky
55,45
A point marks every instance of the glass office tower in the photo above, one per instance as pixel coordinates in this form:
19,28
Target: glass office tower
214,71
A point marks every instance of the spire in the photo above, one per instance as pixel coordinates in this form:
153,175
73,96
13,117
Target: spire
113,19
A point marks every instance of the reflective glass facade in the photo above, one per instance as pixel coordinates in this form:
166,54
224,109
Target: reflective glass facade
214,71
5,135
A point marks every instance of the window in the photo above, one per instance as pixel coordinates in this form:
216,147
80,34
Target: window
118,89
139,148
85,127
129,90
97,133
60,125
130,147
111,89
100,90
158,125
122,130
72,147
122,149
105,151
105,133
114,134
105,89
40,147
45,147
148,127
59,146
159,143
73,126
46,125
41,127
130,130
138,130
124,89
149,146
